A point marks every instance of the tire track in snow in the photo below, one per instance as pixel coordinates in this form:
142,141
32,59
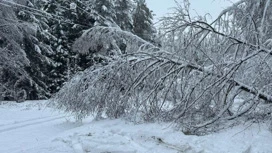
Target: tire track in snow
43,120
24,121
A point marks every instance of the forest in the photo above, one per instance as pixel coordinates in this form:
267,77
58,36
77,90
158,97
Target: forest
107,58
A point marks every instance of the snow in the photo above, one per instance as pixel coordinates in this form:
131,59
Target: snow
73,6
37,49
104,8
34,127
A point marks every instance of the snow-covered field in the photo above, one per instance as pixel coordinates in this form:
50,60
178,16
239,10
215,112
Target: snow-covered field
32,127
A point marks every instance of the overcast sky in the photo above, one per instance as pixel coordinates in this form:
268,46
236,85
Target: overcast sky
214,7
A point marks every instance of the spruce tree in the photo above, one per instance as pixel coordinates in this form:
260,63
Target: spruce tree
74,17
12,56
36,39
123,14
43,33
24,58
142,21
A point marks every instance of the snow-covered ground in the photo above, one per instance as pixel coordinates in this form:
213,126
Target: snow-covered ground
32,127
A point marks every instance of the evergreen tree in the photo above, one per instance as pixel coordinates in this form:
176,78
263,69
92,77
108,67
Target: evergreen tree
105,12
142,21
42,35
123,18
39,53
26,79
74,17
12,57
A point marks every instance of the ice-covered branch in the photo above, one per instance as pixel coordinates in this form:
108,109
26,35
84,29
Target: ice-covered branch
101,39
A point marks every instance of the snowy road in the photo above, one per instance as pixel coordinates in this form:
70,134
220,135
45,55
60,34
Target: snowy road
32,127
20,125
24,127
19,137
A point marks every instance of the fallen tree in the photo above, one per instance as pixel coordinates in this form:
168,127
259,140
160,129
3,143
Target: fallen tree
205,74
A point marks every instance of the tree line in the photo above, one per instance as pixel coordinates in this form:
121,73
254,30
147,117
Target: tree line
37,36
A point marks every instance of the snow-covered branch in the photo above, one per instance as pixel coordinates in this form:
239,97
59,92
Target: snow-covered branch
194,79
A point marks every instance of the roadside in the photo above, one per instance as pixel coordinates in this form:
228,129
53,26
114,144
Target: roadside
31,127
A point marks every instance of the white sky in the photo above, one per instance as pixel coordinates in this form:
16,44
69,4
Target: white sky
201,7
